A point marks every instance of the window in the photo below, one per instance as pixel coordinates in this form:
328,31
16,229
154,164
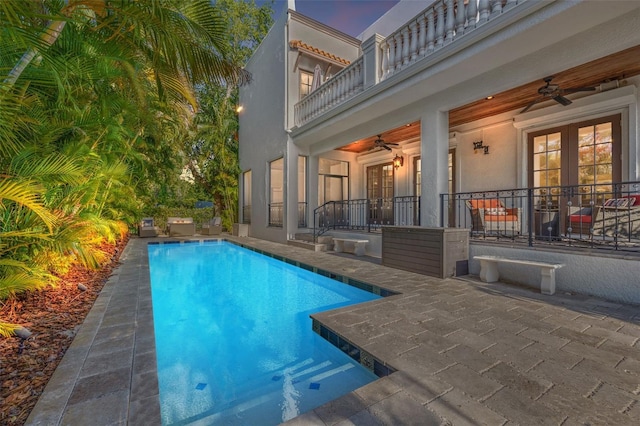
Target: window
333,180
306,79
585,155
246,197
276,194
302,191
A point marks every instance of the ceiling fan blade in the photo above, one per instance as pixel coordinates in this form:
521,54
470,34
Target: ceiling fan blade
531,104
392,144
386,147
562,100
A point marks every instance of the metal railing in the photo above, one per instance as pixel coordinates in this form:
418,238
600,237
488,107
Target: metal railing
276,214
605,216
246,214
366,215
302,215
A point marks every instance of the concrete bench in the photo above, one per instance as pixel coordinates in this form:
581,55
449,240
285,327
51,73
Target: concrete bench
489,271
358,245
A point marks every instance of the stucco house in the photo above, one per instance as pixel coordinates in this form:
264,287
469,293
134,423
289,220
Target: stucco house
515,119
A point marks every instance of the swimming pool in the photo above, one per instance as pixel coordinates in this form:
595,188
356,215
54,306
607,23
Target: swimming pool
234,341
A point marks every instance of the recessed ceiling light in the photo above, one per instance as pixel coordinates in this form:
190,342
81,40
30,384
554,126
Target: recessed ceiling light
489,98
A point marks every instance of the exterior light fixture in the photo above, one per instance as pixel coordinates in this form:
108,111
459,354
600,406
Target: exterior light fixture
478,145
239,109
397,162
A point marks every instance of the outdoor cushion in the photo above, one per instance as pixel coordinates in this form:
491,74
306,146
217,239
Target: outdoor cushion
501,218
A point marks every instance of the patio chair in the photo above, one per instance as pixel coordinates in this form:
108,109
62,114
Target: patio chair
147,228
489,216
618,217
213,227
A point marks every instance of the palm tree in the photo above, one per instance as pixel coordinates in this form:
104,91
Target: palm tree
95,98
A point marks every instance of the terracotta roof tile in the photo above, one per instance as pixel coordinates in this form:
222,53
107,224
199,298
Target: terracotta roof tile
300,45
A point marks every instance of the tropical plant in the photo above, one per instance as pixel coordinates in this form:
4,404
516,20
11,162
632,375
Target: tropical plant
96,97
212,148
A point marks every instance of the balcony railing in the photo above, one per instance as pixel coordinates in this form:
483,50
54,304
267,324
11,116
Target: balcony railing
246,214
367,215
276,214
302,215
440,25
603,216
344,85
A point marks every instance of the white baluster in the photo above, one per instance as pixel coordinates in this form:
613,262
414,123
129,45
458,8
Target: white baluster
413,47
460,17
352,81
398,38
439,25
450,21
422,41
496,7
483,6
431,31
384,59
472,15
392,54
405,45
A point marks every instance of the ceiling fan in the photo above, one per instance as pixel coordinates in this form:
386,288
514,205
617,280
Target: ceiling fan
380,143
553,91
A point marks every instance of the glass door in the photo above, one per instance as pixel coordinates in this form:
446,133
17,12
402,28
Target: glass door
380,183
585,156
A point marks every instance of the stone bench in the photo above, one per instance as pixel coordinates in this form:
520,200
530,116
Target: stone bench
358,245
489,271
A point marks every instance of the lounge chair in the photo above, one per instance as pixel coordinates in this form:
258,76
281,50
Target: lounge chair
181,226
213,227
491,216
147,228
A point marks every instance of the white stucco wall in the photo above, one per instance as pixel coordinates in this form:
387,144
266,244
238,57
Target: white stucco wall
261,134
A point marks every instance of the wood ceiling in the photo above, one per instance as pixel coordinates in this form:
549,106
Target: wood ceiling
617,66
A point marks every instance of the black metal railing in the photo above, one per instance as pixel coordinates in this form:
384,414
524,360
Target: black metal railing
302,215
276,214
246,214
593,216
367,215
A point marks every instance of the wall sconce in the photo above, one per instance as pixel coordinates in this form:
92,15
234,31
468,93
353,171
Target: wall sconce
397,162
478,145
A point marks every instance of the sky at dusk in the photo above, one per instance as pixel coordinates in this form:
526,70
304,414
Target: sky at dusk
349,16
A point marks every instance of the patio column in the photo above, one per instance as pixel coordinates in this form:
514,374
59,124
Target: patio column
312,194
290,206
434,148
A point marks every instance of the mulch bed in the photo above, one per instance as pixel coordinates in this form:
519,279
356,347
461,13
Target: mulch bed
54,316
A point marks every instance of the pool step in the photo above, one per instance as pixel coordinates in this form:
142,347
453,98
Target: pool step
305,240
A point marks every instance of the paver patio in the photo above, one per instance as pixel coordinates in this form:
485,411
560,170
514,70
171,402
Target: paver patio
465,352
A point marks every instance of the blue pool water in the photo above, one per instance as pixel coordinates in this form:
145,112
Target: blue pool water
234,341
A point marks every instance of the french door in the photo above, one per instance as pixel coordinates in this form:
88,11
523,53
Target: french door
584,155
380,182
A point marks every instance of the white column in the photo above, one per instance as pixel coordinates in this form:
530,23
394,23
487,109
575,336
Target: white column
434,150
290,190
312,194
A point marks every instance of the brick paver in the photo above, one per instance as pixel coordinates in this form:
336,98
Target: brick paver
465,352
